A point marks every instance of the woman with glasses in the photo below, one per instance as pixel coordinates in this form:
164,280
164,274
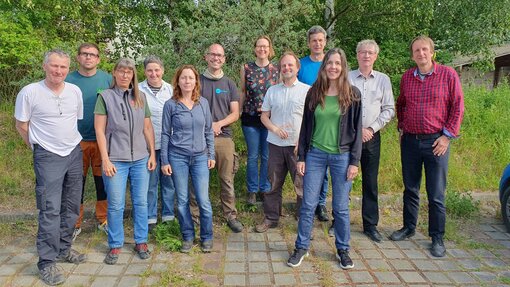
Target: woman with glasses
256,78
187,150
330,137
126,142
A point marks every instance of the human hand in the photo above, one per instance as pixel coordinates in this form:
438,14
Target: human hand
440,145
352,172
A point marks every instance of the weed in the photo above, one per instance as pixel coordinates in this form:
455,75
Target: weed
504,279
461,205
168,235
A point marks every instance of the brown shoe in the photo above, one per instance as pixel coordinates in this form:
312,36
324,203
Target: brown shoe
264,226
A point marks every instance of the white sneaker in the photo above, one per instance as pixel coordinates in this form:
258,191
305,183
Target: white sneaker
76,232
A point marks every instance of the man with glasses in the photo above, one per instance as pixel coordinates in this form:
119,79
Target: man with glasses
316,37
91,81
221,92
46,115
378,109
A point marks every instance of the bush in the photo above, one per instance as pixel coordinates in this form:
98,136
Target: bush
461,205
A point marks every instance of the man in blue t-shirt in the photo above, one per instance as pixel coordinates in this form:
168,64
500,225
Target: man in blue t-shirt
316,37
91,81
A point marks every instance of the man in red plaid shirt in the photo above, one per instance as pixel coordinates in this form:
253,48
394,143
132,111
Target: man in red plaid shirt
429,111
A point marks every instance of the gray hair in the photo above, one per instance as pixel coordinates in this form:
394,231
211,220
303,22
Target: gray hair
152,59
316,30
368,42
57,52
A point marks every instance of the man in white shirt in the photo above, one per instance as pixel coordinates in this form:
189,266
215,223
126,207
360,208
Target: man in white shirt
282,112
46,115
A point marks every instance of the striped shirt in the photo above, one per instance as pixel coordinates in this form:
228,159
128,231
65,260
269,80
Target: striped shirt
434,104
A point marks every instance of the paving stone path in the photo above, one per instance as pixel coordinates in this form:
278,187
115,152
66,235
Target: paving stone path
252,259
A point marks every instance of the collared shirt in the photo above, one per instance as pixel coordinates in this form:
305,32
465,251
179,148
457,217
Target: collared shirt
52,119
432,105
286,106
377,101
156,103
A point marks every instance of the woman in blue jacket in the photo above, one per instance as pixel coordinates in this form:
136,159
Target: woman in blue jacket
187,149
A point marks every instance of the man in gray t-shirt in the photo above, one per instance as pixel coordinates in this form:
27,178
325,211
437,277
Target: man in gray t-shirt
221,92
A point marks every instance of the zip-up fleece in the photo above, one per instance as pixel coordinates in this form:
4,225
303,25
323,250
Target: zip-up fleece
349,130
124,127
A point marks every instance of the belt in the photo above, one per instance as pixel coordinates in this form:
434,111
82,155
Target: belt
424,136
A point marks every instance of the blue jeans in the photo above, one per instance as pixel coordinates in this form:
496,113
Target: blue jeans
138,175
182,167
256,141
316,164
323,196
159,180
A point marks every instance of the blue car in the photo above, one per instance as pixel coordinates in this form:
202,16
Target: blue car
504,196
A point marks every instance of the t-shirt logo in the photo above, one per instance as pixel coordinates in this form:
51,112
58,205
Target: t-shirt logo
219,91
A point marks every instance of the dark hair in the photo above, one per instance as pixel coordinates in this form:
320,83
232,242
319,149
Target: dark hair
195,96
319,89
88,45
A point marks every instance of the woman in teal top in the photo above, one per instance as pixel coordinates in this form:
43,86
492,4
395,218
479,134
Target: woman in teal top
330,137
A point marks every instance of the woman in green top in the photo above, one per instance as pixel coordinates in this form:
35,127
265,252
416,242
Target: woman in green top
330,137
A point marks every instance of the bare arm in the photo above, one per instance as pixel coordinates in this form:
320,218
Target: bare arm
265,118
243,88
22,128
148,133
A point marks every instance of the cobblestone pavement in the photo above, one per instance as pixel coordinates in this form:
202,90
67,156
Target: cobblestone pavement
252,259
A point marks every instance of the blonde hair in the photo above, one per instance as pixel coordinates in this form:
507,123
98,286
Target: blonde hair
424,38
271,50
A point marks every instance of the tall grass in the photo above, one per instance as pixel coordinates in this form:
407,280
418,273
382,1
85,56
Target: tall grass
477,158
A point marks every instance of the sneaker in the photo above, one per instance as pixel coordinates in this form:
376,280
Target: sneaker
72,256
142,250
112,256
167,218
76,232
103,227
345,259
186,246
331,230
297,257
235,225
207,246
52,275
252,198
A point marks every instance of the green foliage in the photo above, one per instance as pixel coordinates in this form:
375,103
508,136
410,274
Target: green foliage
461,205
168,235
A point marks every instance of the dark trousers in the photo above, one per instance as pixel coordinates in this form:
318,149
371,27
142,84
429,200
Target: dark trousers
58,194
370,155
416,153
282,160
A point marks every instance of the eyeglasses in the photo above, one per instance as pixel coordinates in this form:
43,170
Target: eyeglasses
370,53
124,72
214,55
262,46
92,55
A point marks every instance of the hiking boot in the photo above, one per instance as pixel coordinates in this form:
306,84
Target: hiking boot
345,259
186,246
207,246
252,198
112,256
438,249
103,227
297,257
143,251
72,256
76,232
264,226
322,213
52,275
235,225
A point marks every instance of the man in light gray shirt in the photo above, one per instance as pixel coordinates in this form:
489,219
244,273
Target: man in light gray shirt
282,113
378,109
